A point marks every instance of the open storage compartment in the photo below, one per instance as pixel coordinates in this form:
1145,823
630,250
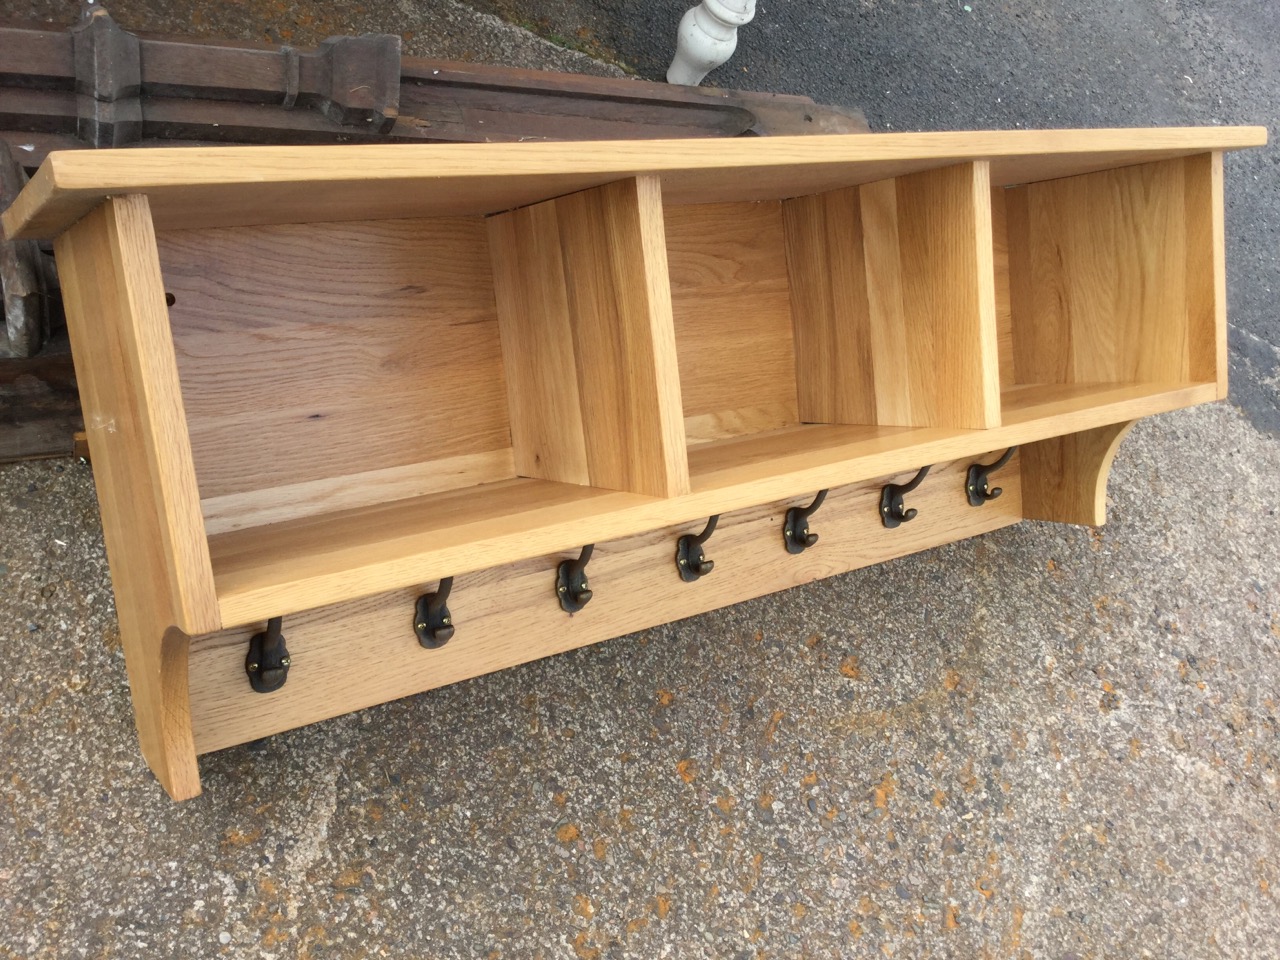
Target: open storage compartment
361,390
809,325
1110,287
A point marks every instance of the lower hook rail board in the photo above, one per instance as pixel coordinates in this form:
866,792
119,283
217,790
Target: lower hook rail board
509,619
268,662
432,621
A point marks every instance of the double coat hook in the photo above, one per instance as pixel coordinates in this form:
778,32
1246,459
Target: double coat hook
432,621
795,526
571,581
267,663
976,483
691,563
893,509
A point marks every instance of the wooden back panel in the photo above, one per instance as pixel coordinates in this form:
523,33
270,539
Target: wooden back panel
892,287
1116,276
309,352
732,311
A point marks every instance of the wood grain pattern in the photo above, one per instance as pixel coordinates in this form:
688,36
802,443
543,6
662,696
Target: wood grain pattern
1065,478
892,290
198,187
585,310
1000,271
316,351
300,565
1206,271
388,365
293,501
734,339
830,276
508,615
1113,276
137,433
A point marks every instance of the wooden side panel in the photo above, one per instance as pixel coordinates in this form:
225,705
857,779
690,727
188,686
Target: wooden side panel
893,291
1206,271
508,615
1064,479
537,338
835,372
314,351
585,314
951,364
1000,269
136,426
1114,276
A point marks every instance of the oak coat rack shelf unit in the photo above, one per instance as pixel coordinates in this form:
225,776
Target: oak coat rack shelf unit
417,401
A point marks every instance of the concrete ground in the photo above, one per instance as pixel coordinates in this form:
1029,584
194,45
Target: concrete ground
1046,742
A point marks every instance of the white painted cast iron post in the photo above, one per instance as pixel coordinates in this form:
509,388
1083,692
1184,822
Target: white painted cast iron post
707,38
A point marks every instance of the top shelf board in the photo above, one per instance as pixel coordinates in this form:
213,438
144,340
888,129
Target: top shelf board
201,187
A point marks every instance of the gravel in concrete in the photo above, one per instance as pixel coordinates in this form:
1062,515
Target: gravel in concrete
1046,742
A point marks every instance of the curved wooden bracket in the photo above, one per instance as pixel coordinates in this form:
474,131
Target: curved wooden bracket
1065,479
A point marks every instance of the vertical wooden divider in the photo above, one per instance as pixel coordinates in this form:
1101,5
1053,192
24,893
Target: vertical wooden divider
893,296
584,311
142,464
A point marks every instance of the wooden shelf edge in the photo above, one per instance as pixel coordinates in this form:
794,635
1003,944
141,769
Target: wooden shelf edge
807,459
70,183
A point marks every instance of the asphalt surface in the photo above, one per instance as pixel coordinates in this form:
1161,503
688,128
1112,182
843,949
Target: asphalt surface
1046,742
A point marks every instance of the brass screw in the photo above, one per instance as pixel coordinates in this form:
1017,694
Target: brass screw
446,621
286,662
421,626
253,668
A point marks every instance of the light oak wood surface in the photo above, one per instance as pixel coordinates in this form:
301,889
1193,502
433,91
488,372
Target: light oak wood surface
356,654
734,335
1113,276
585,315
383,366
160,566
1066,477
312,352
201,187
300,565
894,302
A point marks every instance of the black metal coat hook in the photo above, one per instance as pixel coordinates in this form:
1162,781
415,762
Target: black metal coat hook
691,563
975,484
893,511
571,581
432,621
267,663
795,526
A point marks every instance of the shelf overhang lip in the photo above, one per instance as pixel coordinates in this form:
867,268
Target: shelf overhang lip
71,182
